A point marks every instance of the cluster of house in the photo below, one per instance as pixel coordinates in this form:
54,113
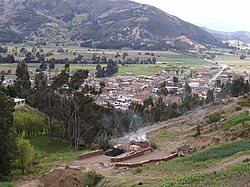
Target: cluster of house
121,91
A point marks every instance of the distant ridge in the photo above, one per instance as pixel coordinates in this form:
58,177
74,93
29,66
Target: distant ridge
243,36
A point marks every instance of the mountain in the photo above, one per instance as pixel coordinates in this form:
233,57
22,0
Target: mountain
100,23
242,36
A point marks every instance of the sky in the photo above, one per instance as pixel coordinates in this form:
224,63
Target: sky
221,15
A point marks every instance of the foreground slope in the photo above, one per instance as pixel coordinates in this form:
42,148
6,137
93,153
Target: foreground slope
222,156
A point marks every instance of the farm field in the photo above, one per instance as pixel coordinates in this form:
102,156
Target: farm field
235,63
34,66
134,69
165,60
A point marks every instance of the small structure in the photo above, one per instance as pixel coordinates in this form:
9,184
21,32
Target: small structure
19,103
186,149
141,143
114,152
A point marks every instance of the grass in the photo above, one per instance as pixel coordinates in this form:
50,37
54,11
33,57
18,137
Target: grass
7,184
234,121
34,66
141,69
221,151
49,153
198,161
182,59
172,168
92,178
49,145
166,135
135,69
244,101
167,58
234,176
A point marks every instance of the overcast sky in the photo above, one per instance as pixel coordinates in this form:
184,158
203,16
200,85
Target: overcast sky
224,15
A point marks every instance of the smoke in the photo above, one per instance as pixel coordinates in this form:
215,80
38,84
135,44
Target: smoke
135,136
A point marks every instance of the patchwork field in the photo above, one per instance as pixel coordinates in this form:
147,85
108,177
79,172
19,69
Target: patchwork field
235,63
165,60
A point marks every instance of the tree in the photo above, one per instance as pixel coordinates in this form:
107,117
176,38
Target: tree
124,55
2,77
43,66
242,57
78,79
25,153
7,136
175,80
188,89
62,78
23,51
29,57
210,96
23,78
239,87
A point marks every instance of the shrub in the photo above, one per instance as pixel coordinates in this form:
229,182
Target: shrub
137,171
214,117
198,131
92,178
238,108
153,145
25,154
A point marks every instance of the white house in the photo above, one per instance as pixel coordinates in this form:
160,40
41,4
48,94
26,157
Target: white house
19,102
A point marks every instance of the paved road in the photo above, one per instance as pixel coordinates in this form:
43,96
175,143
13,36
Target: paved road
223,68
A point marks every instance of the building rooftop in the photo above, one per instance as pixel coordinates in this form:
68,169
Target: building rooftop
18,100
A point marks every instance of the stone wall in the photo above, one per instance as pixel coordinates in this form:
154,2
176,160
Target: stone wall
88,155
131,156
132,165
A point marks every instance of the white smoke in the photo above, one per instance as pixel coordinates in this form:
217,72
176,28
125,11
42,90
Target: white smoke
136,136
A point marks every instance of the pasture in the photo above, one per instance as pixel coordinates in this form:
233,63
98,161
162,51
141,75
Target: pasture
165,60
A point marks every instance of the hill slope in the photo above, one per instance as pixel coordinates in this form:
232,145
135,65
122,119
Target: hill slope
100,23
242,36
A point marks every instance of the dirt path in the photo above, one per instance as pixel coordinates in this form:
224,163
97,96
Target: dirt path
34,183
227,163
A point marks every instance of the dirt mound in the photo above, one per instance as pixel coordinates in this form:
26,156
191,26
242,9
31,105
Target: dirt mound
63,178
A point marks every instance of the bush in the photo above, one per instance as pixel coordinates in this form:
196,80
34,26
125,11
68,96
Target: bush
153,145
92,178
25,154
137,171
238,108
214,117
